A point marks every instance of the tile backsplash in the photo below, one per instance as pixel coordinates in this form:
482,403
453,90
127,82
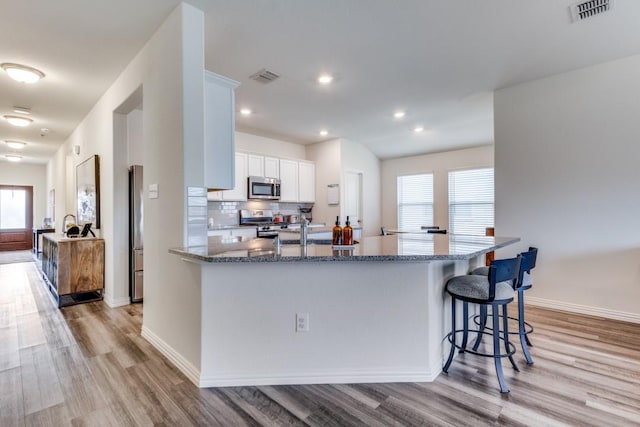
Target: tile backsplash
226,213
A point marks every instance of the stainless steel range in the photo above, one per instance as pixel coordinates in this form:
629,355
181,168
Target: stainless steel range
263,219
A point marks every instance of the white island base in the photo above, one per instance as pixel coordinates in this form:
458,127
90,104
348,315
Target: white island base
368,321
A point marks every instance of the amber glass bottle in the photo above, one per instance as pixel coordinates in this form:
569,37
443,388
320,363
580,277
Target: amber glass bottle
337,232
347,233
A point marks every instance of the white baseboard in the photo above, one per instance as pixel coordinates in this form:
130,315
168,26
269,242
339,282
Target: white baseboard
321,378
583,309
347,377
116,302
190,371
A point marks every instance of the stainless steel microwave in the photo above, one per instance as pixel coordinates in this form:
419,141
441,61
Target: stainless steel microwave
261,188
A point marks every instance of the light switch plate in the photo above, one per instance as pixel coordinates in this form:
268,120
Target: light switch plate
153,191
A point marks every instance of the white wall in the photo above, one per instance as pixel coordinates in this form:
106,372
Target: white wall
439,164
357,158
170,69
268,146
29,175
567,181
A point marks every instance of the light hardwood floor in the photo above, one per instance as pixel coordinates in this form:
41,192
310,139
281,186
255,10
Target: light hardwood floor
88,365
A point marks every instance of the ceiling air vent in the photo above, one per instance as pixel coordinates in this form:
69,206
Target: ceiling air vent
264,76
587,9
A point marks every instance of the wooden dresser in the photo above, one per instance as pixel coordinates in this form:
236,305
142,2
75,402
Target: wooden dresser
73,268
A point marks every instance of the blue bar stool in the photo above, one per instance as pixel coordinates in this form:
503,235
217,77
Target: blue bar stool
495,290
523,283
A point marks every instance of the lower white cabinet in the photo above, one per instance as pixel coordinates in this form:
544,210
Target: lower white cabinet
244,232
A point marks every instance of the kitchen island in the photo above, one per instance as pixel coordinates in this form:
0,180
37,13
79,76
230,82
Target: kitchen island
301,315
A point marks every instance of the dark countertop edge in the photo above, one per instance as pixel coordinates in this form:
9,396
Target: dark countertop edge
191,256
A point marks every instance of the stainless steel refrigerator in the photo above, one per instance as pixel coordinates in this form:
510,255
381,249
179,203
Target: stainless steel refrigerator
136,243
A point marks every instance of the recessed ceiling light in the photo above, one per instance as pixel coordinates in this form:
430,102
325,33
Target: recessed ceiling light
22,73
324,132
13,157
16,145
246,111
325,79
399,114
418,129
18,121
22,110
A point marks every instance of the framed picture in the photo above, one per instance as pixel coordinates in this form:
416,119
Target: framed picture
88,191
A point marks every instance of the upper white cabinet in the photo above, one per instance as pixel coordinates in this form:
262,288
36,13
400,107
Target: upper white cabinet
271,167
306,182
256,165
219,131
298,178
288,180
239,191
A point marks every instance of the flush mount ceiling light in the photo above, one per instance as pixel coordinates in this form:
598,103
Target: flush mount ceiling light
325,79
324,132
418,129
22,73
22,110
16,145
399,114
18,120
13,157
246,111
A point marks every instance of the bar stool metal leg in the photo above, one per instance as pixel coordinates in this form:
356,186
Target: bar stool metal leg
481,326
496,350
505,326
452,336
524,340
465,326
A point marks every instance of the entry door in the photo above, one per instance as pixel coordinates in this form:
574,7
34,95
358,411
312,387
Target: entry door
353,197
16,217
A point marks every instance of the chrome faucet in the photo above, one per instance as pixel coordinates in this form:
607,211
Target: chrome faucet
304,223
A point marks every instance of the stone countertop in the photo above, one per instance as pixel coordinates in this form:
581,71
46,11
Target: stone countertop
400,247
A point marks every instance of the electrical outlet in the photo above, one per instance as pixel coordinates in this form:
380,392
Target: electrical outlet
302,322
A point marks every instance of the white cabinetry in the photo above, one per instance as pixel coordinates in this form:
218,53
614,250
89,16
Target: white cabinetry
306,182
256,165
288,180
219,131
271,167
239,191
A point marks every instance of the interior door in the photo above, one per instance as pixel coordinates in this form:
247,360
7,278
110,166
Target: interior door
16,217
353,197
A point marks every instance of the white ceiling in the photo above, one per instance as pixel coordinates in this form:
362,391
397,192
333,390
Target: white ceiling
439,60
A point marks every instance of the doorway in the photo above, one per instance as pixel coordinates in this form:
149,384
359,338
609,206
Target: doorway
16,217
353,197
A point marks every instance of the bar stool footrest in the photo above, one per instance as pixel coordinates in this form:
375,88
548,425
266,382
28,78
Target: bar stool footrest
528,327
511,352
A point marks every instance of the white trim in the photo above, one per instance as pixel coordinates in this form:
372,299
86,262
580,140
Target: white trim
584,309
190,371
117,302
348,377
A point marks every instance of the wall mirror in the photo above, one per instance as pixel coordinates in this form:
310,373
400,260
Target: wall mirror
88,191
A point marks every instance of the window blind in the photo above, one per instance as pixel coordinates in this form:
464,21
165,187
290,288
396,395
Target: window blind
471,201
415,201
